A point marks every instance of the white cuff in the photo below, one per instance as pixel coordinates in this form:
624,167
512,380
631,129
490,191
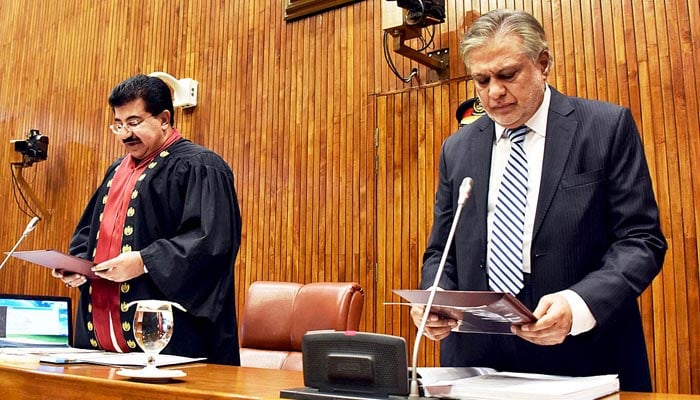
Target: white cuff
582,318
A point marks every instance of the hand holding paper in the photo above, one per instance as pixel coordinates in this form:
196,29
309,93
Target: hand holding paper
553,325
475,311
436,327
57,260
121,268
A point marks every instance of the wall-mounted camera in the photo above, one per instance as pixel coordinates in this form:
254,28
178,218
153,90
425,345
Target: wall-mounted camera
33,149
423,12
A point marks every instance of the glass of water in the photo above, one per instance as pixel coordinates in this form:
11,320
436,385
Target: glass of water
153,327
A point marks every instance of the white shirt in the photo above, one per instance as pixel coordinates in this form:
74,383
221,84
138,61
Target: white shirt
533,145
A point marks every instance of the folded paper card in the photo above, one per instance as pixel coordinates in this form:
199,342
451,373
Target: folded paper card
475,311
54,259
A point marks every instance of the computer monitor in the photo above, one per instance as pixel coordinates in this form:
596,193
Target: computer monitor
35,321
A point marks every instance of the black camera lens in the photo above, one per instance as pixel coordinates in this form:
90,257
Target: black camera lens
34,149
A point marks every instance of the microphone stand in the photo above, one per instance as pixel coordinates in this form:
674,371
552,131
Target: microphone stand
30,227
464,191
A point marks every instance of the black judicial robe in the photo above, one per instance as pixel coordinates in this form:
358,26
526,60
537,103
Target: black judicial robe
185,221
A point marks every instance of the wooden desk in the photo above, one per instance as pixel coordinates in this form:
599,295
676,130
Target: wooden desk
93,382
203,381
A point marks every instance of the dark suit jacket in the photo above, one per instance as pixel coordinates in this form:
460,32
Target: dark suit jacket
596,232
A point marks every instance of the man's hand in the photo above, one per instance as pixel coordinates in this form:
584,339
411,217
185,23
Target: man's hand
70,280
553,324
121,268
436,327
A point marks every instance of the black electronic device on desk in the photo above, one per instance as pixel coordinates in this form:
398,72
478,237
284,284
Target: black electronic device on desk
352,365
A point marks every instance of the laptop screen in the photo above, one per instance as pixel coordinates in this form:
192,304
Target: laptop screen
35,321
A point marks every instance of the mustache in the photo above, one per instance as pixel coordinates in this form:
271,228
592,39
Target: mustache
130,139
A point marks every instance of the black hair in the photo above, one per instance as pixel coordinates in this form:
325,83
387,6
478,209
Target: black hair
153,91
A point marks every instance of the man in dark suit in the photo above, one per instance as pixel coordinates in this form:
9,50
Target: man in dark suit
589,240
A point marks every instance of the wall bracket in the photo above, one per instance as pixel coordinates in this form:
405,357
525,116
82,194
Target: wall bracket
403,33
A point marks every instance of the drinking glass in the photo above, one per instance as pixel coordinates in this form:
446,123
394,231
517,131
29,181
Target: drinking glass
153,327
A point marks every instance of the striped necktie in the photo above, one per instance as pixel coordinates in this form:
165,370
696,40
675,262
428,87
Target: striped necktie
506,247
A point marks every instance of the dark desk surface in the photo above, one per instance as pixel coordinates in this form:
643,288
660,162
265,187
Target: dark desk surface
203,381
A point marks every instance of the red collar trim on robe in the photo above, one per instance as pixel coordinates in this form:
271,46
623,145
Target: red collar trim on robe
106,309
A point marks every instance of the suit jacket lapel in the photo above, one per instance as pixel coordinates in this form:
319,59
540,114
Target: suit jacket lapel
561,130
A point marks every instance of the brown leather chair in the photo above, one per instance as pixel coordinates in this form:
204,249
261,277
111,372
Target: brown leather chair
276,315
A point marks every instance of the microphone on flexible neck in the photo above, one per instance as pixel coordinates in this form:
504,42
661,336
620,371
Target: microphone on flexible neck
465,189
30,227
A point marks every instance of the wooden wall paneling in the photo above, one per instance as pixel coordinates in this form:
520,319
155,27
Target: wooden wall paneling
337,235
367,266
396,201
412,262
647,304
292,107
689,23
588,48
233,133
255,87
269,123
400,183
568,47
382,292
334,171
245,155
272,123
257,154
610,42
619,31
266,120
339,134
410,251
551,19
298,189
676,144
364,177
599,45
335,180
386,255
318,157
280,116
666,159
394,204
291,155
311,161
648,65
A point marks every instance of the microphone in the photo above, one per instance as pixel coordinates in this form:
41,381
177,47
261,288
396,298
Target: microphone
465,190
30,227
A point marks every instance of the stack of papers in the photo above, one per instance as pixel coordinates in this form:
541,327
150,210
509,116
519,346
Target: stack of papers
490,385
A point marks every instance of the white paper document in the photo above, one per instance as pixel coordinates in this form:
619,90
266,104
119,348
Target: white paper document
487,384
115,359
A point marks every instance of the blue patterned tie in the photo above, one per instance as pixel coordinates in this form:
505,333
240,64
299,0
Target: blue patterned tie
506,252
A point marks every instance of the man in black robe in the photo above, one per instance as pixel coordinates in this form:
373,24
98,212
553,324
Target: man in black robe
164,224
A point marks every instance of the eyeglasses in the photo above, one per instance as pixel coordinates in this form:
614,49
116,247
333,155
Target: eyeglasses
128,126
